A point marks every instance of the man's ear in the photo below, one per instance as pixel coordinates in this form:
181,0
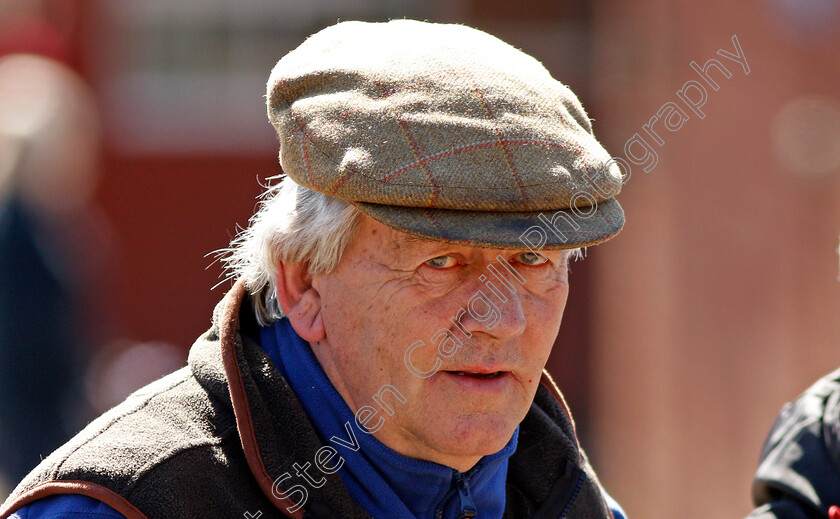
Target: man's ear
300,301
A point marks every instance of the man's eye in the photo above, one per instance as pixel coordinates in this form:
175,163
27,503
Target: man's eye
531,258
441,262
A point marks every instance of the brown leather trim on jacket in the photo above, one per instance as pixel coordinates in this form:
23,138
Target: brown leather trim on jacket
547,382
54,488
241,408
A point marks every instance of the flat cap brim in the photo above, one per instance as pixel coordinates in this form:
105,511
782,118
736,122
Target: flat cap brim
546,230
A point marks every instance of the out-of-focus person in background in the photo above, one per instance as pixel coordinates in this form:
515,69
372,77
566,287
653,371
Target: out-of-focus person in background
798,476
49,148
799,473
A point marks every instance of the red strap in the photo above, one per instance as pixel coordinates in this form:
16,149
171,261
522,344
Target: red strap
834,512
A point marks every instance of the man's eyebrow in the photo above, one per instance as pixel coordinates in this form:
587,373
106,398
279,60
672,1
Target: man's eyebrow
415,242
408,238
400,238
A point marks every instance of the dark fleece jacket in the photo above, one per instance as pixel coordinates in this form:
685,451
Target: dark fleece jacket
216,437
799,473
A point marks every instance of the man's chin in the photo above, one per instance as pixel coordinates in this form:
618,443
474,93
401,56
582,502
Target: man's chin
473,436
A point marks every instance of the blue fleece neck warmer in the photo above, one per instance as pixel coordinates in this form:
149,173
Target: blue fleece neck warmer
385,483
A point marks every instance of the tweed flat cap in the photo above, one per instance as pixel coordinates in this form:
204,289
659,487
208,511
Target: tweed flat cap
443,132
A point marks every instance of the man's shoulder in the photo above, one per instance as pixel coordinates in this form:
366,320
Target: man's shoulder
67,505
169,416
171,423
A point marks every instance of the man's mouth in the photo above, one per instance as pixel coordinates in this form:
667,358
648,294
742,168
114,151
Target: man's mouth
475,379
476,374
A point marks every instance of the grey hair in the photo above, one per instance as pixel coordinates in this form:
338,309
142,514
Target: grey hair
575,254
294,225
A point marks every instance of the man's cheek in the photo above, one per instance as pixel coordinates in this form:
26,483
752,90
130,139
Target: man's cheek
547,307
551,289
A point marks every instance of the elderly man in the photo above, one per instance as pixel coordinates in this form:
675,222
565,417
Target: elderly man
381,353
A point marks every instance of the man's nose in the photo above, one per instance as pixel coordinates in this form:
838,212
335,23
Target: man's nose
501,317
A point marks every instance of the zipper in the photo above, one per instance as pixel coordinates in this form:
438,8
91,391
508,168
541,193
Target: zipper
467,506
462,485
572,499
442,505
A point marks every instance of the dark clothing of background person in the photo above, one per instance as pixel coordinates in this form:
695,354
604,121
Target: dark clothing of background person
39,371
799,473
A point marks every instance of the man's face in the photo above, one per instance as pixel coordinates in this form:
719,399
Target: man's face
391,290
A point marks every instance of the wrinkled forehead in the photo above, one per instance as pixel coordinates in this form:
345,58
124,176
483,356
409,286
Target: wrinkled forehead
393,240
399,245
